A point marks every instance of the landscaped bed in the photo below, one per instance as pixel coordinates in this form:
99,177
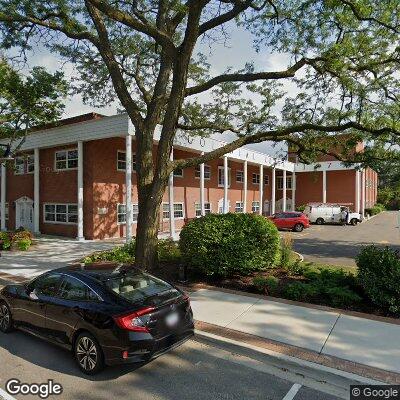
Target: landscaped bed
214,258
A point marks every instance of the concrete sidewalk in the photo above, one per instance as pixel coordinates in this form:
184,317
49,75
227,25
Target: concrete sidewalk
364,341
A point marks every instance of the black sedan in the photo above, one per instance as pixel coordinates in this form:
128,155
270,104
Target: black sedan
106,314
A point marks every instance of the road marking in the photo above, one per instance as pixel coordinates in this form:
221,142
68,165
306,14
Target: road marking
4,395
292,392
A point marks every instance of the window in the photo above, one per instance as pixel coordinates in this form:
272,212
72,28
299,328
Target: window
121,161
239,176
67,159
178,211
255,206
221,177
207,209
221,206
6,211
207,172
178,173
73,289
266,179
30,164
46,285
256,179
239,207
279,182
61,213
121,213
19,165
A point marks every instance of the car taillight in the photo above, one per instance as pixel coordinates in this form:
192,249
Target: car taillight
136,321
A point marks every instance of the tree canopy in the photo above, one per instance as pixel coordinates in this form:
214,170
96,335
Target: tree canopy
28,100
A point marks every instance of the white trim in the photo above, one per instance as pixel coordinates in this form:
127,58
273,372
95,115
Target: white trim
242,207
176,202
171,205
80,191
55,213
66,160
323,166
257,180
124,204
273,192
245,181
324,186
36,192
128,187
133,156
221,168
16,170
199,209
205,166
284,191
242,176
3,197
261,188
178,176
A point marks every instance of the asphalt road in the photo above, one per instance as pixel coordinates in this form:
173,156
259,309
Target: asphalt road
196,370
338,245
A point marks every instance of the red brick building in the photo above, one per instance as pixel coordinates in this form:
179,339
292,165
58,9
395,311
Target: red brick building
71,179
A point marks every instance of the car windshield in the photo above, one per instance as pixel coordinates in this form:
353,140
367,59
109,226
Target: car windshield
136,286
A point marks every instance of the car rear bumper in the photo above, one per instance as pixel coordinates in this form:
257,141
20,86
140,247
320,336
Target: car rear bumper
145,350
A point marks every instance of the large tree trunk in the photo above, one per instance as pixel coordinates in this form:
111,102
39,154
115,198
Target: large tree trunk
147,226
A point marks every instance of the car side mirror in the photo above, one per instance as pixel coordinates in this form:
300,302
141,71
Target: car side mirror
33,295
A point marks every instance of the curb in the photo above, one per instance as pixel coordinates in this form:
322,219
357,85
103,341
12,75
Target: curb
361,373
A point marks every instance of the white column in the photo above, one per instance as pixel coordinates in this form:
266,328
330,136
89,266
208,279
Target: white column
363,193
36,192
245,186
80,191
284,191
202,207
171,200
3,196
324,186
128,187
293,191
261,188
357,197
225,204
273,196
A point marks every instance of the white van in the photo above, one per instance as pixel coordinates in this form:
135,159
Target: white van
324,213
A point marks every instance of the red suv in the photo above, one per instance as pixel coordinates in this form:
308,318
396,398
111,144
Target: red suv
292,220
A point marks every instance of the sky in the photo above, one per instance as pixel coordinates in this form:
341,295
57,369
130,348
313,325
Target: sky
235,53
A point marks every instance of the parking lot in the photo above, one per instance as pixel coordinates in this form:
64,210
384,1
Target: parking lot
338,245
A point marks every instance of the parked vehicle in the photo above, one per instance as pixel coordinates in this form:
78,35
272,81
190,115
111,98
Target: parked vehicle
292,220
321,213
105,315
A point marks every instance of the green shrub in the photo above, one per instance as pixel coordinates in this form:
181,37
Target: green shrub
21,235
6,239
297,268
379,275
300,291
341,296
24,244
301,208
267,284
376,209
168,251
229,244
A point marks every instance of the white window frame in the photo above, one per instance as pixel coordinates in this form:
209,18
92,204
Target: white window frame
67,151
124,161
177,174
255,207
221,206
135,213
7,211
239,207
255,178
220,182
239,176
207,174
279,183
17,168
67,213
166,212
207,209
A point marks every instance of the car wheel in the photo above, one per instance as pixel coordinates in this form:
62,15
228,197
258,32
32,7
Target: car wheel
88,354
6,323
319,221
354,222
298,228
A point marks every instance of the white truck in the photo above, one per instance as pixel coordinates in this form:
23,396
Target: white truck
324,213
